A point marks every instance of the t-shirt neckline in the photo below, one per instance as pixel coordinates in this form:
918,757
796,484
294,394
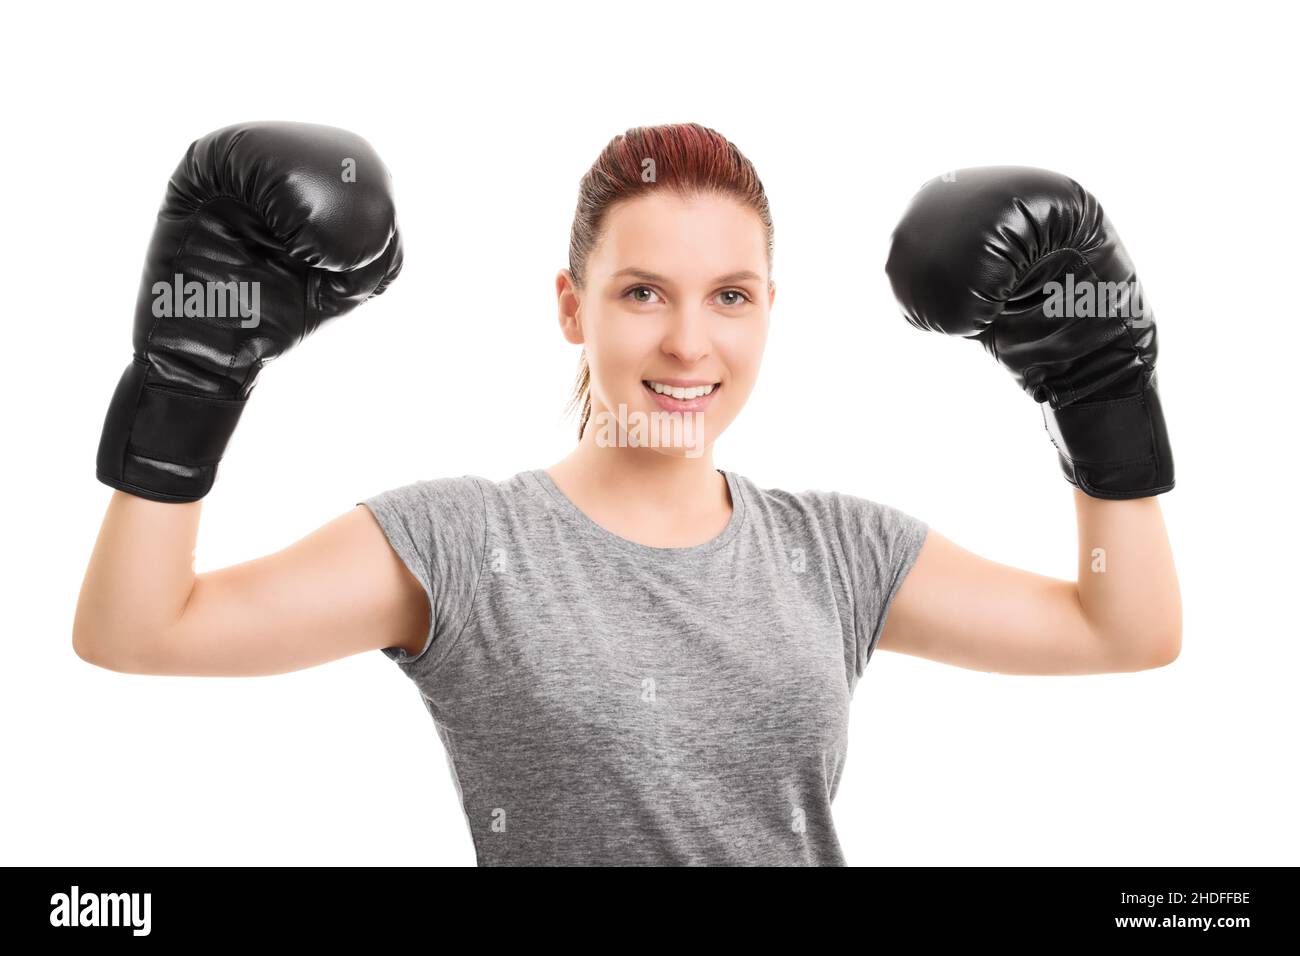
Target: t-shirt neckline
591,528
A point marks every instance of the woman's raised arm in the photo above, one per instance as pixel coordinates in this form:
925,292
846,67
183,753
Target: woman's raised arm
1124,613
338,591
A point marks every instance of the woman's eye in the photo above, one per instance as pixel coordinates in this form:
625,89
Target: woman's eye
640,288
635,292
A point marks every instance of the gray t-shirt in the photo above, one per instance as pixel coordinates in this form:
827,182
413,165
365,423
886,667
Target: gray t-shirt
604,702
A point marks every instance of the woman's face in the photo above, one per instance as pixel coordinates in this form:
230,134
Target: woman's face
678,296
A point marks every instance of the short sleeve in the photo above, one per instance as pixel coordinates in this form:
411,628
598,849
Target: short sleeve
438,529
880,544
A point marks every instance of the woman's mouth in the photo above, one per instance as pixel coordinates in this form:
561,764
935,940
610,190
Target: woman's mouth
681,398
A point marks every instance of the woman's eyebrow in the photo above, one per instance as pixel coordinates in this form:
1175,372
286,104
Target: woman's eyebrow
740,276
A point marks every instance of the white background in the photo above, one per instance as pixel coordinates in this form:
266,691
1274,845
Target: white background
1179,118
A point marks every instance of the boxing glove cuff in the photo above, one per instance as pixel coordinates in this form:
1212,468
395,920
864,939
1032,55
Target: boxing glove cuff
163,444
1114,449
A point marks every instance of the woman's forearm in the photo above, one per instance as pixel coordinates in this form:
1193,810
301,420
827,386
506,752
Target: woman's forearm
1128,586
139,579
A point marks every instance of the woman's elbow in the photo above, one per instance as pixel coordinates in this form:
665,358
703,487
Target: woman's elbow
98,659
1156,651
94,651
1171,647
95,645
87,643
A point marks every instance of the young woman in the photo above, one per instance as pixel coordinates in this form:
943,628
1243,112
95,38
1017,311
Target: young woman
632,656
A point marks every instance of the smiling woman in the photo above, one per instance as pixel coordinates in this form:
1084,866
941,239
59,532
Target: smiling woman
683,166
633,656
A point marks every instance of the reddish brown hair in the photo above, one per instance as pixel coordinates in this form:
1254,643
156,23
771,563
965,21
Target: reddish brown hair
689,159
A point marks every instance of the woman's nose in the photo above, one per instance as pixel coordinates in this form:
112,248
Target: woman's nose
687,336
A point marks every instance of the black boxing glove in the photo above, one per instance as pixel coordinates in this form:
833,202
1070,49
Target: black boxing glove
1025,261
266,231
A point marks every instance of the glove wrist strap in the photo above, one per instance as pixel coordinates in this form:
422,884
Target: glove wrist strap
1117,448
162,443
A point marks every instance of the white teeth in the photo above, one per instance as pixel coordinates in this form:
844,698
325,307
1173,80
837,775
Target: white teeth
697,391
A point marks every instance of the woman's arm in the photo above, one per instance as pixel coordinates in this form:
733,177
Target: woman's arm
339,591
1123,614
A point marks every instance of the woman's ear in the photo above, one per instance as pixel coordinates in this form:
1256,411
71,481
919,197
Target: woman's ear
570,304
